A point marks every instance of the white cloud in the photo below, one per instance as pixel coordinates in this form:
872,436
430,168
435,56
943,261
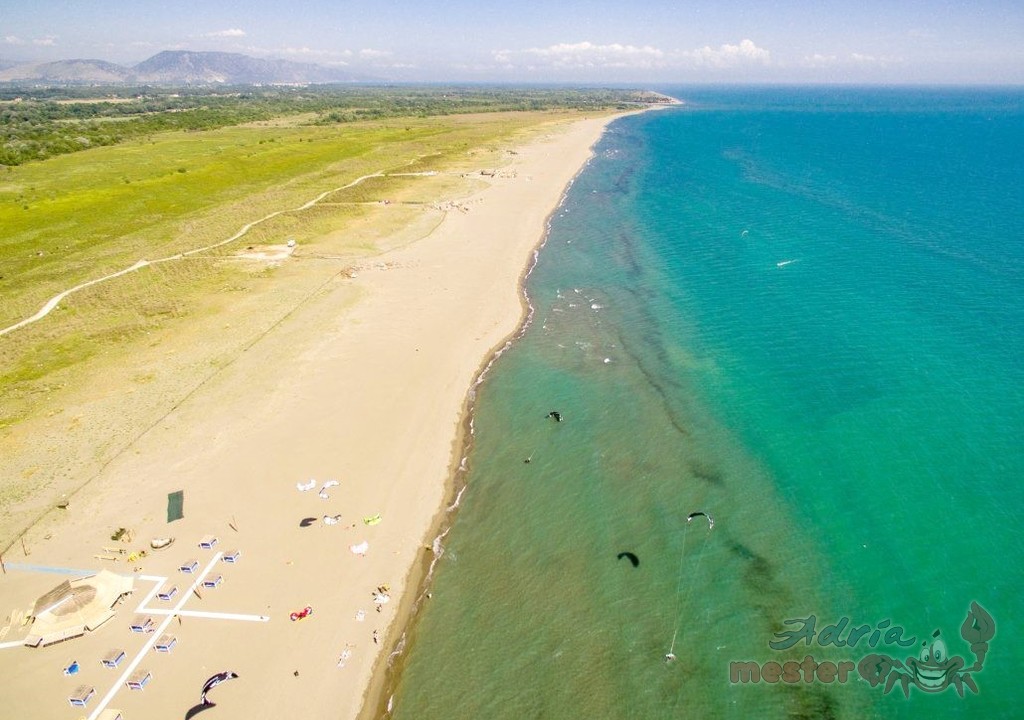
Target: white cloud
48,41
819,61
590,55
13,40
230,32
725,56
371,54
616,56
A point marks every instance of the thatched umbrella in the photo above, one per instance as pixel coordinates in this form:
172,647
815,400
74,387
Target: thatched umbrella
77,606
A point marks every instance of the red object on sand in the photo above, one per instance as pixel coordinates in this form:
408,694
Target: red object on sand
305,612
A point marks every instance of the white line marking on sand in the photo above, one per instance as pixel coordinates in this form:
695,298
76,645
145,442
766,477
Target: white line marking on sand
152,639
204,614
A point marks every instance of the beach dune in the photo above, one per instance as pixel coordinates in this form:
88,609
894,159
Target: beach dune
366,384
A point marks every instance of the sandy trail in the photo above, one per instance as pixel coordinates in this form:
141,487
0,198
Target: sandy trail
53,302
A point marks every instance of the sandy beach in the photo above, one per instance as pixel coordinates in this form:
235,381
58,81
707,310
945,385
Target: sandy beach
365,383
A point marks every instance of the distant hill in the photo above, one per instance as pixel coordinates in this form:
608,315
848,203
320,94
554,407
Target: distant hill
179,67
67,71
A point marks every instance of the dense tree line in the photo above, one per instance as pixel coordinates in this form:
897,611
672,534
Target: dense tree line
40,123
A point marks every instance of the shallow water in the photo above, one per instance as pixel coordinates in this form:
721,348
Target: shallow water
800,311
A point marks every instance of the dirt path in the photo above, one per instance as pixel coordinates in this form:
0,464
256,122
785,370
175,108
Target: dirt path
53,302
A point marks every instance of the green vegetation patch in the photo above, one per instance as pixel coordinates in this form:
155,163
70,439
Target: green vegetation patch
80,216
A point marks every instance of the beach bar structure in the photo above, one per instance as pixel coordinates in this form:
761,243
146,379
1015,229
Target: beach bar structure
165,643
208,542
113,658
189,567
81,695
76,607
139,679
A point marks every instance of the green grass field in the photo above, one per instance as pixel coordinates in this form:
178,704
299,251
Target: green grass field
81,216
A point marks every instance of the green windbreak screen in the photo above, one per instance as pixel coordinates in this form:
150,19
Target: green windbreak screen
175,505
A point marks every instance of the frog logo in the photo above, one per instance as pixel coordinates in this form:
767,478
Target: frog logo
934,670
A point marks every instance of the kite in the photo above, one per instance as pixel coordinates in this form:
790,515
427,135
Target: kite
631,557
213,682
711,520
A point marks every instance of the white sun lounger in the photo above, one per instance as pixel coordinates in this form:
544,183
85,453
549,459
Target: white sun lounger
167,595
113,658
139,679
142,624
166,643
81,695
212,582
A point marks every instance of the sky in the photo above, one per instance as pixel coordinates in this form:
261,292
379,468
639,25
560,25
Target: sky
574,41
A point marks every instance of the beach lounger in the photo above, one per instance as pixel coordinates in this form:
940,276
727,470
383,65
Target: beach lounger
166,595
231,556
139,679
213,582
81,695
166,643
111,715
113,658
142,624
189,566
208,542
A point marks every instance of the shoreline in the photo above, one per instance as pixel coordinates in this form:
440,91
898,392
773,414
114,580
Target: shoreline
379,694
281,425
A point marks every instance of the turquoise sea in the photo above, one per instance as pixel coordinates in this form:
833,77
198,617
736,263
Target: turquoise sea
800,311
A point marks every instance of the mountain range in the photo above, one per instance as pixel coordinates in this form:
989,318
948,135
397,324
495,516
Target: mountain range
177,67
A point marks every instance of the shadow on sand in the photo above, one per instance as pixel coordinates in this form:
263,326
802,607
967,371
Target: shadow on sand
195,710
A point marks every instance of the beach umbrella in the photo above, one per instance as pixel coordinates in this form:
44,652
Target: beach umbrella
77,606
213,682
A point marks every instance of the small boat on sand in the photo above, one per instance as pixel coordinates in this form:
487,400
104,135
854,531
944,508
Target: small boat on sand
161,542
